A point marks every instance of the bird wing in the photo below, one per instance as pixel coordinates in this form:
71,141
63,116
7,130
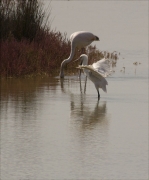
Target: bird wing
102,66
94,72
94,75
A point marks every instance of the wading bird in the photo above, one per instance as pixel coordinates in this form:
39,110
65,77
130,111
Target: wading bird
96,72
79,40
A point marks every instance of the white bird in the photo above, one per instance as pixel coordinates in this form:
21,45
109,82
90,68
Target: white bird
78,39
96,72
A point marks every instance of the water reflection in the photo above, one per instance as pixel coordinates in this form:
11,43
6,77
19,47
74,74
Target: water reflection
23,97
84,84
88,113
35,136
21,94
89,126
54,126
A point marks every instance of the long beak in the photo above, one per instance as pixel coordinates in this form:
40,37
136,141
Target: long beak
76,60
80,64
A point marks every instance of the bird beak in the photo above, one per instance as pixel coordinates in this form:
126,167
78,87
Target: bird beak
97,38
78,60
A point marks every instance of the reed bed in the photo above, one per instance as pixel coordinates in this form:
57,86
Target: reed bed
28,46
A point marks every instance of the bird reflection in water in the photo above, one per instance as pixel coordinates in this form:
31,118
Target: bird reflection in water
88,115
84,85
83,111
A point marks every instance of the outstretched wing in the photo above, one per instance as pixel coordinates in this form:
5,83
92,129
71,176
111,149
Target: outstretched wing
91,69
102,66
96,77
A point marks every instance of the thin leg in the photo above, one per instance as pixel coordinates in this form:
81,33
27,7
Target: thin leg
85,84
80,73
80,86
98,94
80,69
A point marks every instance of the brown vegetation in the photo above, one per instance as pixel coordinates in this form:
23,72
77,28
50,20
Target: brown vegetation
27,45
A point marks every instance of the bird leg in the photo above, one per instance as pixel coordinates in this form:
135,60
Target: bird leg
85,84
80,86
80,70
98,94
80,73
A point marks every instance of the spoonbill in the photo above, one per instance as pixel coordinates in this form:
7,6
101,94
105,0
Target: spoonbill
96,72
79,40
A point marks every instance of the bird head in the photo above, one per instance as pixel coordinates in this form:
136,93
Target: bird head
97,38
83,59
63,64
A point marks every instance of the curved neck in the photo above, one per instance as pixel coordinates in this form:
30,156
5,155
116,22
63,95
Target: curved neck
67,60
71,53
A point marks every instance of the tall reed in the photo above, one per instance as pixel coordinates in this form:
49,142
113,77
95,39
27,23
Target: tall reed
22,19
27,43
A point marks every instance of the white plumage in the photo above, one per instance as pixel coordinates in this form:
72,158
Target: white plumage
96,72
78,39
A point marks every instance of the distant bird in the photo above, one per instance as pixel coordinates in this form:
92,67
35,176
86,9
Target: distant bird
96,72
78,39
135,63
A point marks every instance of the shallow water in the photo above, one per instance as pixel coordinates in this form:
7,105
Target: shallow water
50,130
53,129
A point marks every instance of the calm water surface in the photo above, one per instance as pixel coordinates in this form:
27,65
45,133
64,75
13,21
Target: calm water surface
50,130
53,129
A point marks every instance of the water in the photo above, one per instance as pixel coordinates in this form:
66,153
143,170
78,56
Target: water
120,25
53,129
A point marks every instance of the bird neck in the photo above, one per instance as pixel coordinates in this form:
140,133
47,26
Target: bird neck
85,62
67,60
72,52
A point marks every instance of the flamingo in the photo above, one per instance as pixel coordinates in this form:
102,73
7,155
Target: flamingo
96,72
78,39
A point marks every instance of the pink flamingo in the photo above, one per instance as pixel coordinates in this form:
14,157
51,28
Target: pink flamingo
78,39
